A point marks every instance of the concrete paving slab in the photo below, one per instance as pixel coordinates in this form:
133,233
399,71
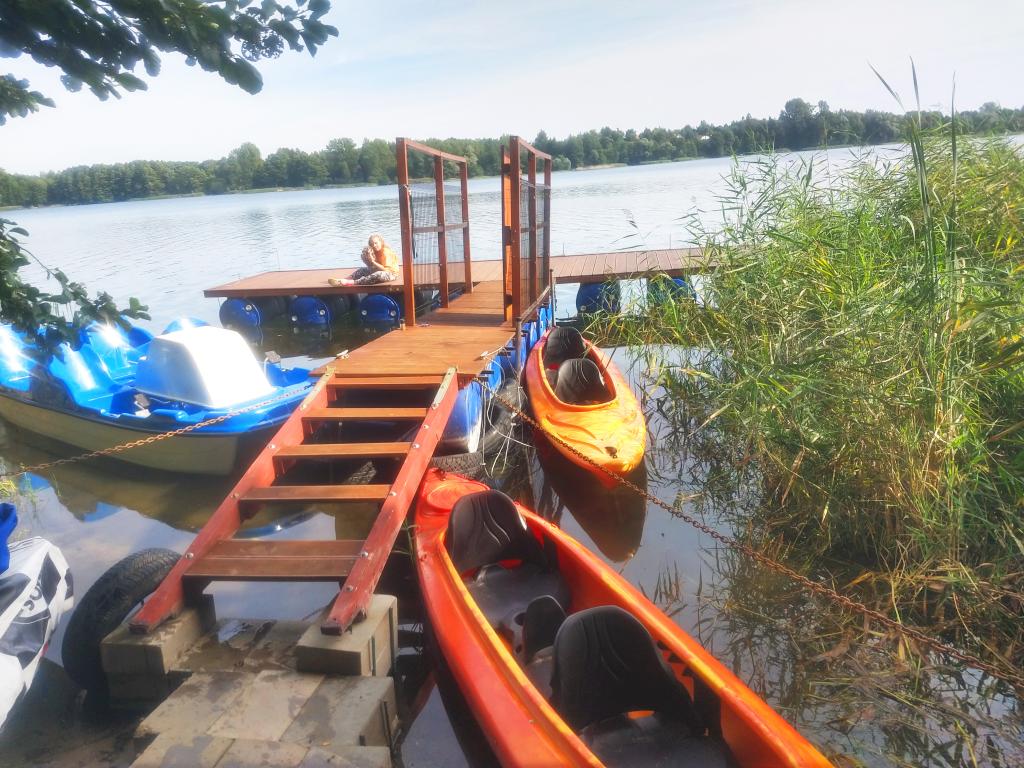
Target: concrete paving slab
249,753
197,704
176,751
348,757
267,707
345,712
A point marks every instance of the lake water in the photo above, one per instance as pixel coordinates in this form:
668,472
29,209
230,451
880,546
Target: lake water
166,251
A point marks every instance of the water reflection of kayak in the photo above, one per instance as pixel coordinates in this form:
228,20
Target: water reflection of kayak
562,662
613,518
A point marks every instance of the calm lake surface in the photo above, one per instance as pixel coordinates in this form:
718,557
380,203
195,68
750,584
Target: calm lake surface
165,252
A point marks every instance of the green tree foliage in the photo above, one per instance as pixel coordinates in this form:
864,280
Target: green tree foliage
799,126
100,45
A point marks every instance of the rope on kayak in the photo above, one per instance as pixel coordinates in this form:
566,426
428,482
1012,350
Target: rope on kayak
1003,671
148,440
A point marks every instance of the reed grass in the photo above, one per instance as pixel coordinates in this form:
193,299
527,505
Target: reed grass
861,357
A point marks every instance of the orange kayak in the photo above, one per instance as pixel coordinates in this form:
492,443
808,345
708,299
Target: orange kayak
700,713
612,434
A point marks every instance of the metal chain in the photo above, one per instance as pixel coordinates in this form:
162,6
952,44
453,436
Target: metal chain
1002,671
163,435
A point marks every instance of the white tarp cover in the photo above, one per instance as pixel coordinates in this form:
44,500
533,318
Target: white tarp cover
207,366
35,591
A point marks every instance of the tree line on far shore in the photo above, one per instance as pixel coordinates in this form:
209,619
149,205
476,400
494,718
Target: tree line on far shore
799,126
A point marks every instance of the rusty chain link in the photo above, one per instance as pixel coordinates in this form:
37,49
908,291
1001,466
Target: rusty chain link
163,435
1001,672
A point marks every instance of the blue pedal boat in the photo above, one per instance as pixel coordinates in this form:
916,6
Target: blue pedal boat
120,385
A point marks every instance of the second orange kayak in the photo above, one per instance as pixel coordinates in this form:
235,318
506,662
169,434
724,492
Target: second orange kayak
610,434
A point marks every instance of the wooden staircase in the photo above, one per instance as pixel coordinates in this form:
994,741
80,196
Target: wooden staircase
336,427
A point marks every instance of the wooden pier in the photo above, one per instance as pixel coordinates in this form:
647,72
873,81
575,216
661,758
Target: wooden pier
578,268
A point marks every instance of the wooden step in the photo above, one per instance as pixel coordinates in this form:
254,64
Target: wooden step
250,560
313,493
341,451
384,382
364,414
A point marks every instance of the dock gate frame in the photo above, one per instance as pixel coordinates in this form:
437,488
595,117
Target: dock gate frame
414,207
526,229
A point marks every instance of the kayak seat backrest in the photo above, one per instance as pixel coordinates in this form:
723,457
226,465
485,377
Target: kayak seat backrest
541,622
606,664
563,343
486,528
579,382
544,617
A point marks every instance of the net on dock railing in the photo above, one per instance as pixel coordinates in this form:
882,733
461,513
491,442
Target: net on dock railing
427,235
534,255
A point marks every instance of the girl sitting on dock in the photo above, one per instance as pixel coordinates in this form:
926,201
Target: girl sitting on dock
381,265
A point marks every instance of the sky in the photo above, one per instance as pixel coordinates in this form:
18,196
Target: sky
483,69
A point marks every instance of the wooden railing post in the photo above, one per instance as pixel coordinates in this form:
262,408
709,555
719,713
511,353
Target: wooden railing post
442,235
531,170
515,239
405,214
506,230
464,179
546,266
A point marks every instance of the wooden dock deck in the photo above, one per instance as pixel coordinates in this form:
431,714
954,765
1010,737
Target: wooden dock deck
465,335
578,268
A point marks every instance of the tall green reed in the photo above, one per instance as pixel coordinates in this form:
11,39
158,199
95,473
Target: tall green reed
862,358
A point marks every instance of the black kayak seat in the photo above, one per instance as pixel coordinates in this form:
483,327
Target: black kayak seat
606,666
543,618
564,343
579,382
484,530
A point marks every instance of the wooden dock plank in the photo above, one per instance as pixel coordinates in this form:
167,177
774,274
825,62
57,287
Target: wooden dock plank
248,560
342,450
314,493
364,414
384,382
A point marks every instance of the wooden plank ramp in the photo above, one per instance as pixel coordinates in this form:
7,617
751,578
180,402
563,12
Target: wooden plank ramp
323,430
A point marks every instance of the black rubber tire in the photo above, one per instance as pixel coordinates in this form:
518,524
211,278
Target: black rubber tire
102,609
469,465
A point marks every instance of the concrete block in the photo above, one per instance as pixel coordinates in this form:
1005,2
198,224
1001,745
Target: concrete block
267,707
348,757
248,753
366,649
346,712
196,705
125,653
200,751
